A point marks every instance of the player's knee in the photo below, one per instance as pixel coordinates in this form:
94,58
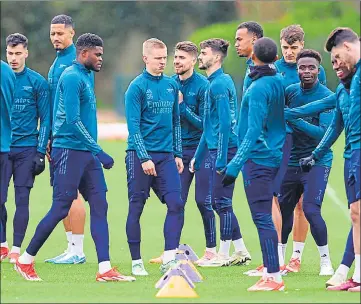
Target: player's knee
263,220
174,202
312,211
299,207
98,204
22,195
355,212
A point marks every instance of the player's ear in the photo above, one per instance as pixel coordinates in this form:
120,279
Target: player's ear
347,46
145,59
276,58
26,53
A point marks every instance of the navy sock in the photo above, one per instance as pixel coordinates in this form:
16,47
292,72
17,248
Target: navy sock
349,254
174,220
268,240
21,217
58,211
99,225
3,220
136,206
317,224
209,224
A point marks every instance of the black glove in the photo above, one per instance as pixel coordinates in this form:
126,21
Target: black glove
307,163
228,180
38,163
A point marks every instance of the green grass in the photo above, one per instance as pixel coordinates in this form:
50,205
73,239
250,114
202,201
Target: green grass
76,283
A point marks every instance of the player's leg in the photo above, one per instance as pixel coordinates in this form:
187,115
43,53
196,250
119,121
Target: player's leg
300,228
23,182
340,276
68,170
76,218
258,185
290,193
168,186
314,183
203,191
138,192
93,188
5,176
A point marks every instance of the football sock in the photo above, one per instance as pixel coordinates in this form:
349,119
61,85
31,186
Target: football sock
26,258
104,267
349,254
297,250
239,245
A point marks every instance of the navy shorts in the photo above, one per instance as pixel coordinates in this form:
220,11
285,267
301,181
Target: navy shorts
221,196
258,185
5,175
352,177
312,184
22,165
139,183
203,178
286,150
73,170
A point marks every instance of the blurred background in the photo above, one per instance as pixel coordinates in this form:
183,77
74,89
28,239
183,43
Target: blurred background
124,25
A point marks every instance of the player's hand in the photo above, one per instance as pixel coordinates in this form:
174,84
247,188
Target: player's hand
179,163
221,171
106,160
48,150
38,163
307,163
149,168
191,165
180,97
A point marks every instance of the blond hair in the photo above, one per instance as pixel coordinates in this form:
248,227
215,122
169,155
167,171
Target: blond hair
151,44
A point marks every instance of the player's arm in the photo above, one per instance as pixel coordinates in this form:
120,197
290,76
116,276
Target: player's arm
177,134
220,94
322,76
72,87
43,110
312,108
311,130
257,113
133,104
187,113
199,155
332,133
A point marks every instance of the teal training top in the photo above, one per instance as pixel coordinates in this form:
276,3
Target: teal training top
355,109
308,132
261,130
8,80
152,114
31,104
75,113
192,108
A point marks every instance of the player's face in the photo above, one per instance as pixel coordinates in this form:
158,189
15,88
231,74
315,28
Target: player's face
290,51
244,42
206,59
343,54
93,58
183,62
308,69
340,67
61,36
156,60
16,56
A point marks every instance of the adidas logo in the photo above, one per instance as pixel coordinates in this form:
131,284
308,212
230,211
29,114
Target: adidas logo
324,255
297,251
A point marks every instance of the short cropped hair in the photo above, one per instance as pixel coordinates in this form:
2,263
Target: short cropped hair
153,43
309,53
188,47
338,36
217,45
88,41
252,27
63,19
265,50
16,39
293,33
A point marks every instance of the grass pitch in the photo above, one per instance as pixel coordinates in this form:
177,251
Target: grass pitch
76,283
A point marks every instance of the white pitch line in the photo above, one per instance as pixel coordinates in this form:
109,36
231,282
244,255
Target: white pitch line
333,196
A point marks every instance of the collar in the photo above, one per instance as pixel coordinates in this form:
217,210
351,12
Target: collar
188,80
215,74
22,72
150,76
249,61
311,90
66,51
258,71
81,67
358,64
284,62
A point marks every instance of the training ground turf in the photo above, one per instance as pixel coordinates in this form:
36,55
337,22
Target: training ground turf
76,283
